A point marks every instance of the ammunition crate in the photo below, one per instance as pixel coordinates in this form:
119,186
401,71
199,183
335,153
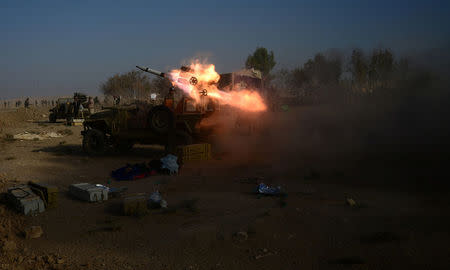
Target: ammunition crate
25,201
194,152
135,205
48,193
75,122
89,192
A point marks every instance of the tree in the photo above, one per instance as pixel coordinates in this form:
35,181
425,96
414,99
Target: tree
322,70
132,85
161,86
381,68
262,60
358,67
299,77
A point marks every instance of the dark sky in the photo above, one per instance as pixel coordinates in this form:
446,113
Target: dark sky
57,47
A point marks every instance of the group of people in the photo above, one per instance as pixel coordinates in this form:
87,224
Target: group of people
78,107
27,103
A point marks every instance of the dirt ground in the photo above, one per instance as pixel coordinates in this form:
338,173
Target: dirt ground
215,220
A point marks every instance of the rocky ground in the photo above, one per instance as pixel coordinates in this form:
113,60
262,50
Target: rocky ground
335,215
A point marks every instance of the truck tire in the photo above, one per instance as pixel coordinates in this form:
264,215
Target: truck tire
94,142
52,118
161,119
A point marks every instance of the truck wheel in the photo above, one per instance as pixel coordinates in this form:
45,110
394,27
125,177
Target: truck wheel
161,119
52,118
94,142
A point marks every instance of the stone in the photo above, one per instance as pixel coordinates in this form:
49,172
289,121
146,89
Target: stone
8,245
33,232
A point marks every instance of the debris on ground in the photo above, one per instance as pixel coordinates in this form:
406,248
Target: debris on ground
33,232
48,193
132,172
264,252
156,201
267,190
116,192
194,152
351,202
170,162
135,205
139,204
240,236
165,165
34,136
89,192
25,201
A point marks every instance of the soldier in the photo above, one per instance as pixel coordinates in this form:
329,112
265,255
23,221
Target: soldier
91,105
27,103
76,106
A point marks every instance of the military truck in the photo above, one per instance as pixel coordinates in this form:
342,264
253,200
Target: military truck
168,124
67,108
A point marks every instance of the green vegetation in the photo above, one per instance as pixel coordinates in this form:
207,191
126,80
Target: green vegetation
261,60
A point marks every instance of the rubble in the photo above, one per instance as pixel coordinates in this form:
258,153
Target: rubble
32,136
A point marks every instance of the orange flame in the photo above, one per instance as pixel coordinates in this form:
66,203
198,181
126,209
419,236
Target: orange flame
207,79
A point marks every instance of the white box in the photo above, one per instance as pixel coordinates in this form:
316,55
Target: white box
25,201
89,192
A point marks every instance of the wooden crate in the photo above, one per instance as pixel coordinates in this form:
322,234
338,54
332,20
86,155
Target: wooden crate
135,205
194,152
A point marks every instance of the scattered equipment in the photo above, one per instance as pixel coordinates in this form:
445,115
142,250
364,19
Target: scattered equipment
25,201
48,193
135,205
194,152
89,192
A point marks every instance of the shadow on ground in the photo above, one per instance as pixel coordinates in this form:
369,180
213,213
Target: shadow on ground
77,150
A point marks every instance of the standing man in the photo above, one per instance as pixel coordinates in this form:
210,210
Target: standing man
27,103
91,105
76,106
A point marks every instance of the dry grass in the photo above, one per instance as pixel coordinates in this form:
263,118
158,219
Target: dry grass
13,118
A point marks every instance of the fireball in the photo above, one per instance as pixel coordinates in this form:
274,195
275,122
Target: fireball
201,79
